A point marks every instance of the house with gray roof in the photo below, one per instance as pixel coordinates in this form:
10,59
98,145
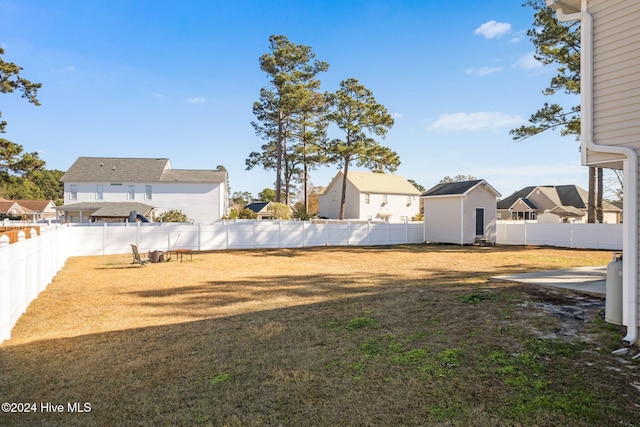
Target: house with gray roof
553,204
110,188
370,196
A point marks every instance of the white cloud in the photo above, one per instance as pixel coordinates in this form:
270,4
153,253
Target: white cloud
196,100
493,29
483,71
482,120
397,116
68,69
528,63
157,95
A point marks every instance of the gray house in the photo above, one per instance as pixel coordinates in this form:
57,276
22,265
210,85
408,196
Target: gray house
553,204
460,212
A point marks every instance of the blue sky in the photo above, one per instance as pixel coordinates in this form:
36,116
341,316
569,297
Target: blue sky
173,79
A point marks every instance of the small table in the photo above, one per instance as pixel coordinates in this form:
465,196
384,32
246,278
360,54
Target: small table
181,252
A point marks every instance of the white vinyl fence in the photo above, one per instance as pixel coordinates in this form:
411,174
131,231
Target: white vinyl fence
586,236
26,268
103,239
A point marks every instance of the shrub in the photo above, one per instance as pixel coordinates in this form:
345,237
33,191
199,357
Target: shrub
173,215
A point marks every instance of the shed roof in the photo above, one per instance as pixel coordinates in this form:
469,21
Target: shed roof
456,188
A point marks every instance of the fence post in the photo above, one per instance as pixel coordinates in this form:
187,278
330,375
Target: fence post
406,231
31,267
571,235
43,257
304,234
104,238
228,223
5,292
326,224
255,233
388,232
20,283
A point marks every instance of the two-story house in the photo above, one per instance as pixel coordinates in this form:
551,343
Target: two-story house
610,116
109,189
370,196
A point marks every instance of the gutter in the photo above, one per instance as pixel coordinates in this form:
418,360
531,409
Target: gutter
630,167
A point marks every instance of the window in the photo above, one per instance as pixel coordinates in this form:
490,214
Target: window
132,192
99,192
409,200
367,198
73,192
147,192
384,199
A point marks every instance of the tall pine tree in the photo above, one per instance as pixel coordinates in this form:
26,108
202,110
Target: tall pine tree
558,43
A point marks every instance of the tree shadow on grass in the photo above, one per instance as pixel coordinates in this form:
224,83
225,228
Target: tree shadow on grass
296,365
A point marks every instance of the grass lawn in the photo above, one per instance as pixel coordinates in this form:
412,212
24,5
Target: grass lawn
335,336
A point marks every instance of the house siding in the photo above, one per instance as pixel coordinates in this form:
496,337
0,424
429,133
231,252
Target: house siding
399,206
442,219
480,198
616,80
201,202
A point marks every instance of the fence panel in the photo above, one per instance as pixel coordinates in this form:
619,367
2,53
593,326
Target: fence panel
26,267
585,236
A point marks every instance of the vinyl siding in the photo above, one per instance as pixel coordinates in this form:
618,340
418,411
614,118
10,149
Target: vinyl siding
442,222
356,207
480,198
442,219
201,202
616,76
616,50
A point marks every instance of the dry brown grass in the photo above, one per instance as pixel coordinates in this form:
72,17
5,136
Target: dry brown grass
321,336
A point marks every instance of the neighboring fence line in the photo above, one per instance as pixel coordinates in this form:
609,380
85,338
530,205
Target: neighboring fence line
29,265
112,238
26,268
585,236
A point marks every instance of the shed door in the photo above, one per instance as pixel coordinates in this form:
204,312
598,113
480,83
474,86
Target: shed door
479,221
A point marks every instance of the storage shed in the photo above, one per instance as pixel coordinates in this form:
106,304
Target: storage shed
460,212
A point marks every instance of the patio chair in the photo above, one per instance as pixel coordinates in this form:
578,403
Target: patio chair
136,257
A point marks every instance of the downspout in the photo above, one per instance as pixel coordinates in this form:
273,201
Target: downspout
630,165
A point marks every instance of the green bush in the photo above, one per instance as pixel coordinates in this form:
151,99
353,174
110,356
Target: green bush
173,215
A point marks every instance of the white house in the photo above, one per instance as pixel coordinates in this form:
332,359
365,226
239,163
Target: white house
610,116
108,189
370,196
553,204
460,212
